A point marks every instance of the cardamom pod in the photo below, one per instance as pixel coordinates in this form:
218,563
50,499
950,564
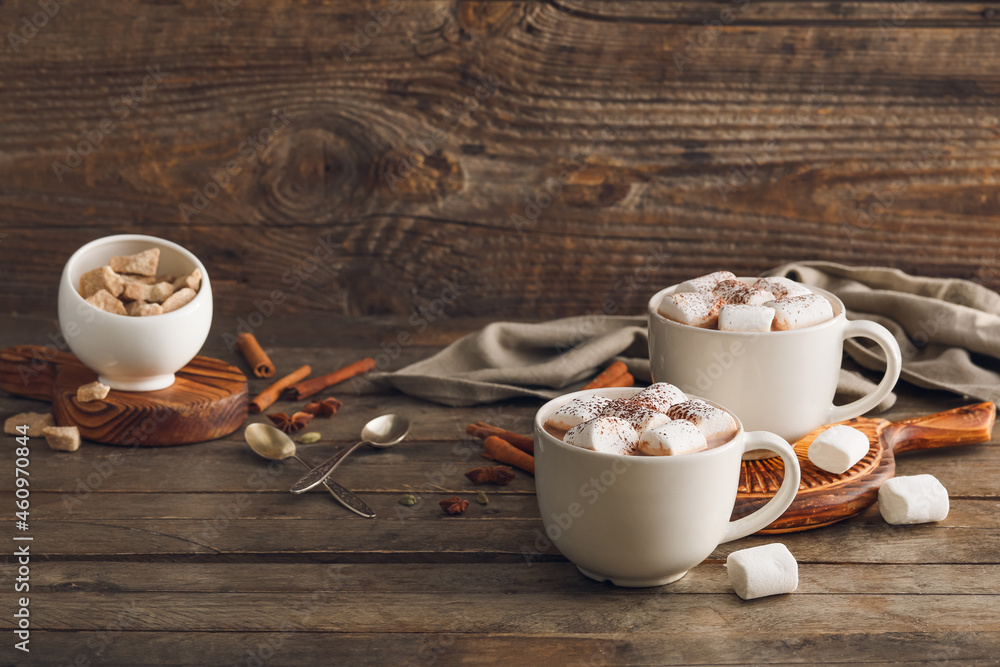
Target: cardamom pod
407,499
310,437
482,498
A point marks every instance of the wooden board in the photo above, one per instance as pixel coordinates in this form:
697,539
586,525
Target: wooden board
825,498
207,400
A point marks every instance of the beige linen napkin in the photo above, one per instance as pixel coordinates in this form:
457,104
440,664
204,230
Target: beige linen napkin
948,330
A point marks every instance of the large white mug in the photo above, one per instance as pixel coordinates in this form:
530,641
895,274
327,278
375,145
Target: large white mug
647,520
779,381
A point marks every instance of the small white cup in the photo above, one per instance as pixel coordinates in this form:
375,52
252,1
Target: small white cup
779,381
133,353
647,520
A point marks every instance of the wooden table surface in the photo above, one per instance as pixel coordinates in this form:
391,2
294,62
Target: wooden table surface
199,555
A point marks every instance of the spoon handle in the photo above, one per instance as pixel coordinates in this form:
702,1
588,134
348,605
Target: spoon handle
344,496
319,474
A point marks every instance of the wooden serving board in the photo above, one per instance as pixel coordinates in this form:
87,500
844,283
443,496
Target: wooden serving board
825,498
207,400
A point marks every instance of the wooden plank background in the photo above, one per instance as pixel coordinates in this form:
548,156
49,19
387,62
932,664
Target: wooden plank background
542,156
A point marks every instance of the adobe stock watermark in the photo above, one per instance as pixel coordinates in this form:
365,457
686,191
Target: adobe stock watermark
433,140
740,175
363,35
247,153
120,109
708,35
551,188
29,26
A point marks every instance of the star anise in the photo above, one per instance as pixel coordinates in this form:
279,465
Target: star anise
499,475
454,505
291,424
326,408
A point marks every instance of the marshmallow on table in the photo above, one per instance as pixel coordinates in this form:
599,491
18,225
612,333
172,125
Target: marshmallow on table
577,411
739,317
838,448
677,436
694,308
660,396
640,416
913,499
781,287
705,283
603,434
716,425
765,570
797,312
736,291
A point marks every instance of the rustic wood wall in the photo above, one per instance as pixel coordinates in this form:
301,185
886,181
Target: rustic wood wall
543,156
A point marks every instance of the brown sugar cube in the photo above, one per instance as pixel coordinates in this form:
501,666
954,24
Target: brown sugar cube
136,292
101,279
62,438
179,298
165,278
143,309
143,263
35,421
192,280
103,300
94,391
131,279
160,292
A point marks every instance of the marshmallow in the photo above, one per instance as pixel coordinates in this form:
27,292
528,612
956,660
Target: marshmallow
577,411
765,570
739,317
838,448
914,499
660,396
781,288
677,436
640,416
718,426
735,291
694,308
797,312
603,434
705,283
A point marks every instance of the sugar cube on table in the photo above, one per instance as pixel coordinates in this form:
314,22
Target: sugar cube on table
738,292
675,437
913,499
739,317
838,448
696,309
797,312
93,391
62,438
577,411
603,434
757,572
705,283
35,422
660,396
781,287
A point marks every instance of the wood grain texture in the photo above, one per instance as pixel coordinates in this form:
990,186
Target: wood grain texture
502,146
207,400
200,555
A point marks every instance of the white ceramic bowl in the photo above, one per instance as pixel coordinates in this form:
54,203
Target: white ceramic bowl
133,353
647,520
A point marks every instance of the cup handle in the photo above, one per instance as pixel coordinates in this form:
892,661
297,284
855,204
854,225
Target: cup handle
782,499
893,365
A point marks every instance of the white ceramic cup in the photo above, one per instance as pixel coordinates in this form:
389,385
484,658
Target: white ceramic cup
778,381
133,353
647,520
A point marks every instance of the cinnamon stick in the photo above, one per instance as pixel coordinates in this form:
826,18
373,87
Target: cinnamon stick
484,430
622,381
608,375
309,387
255,355
270,395
500,450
